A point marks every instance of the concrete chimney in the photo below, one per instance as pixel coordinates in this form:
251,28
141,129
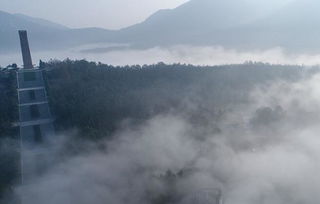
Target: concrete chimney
26,55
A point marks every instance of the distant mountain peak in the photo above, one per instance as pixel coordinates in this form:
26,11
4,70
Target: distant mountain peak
13,22
41,21
229,23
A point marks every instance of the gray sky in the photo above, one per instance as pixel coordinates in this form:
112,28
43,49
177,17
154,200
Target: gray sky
111,14
89,13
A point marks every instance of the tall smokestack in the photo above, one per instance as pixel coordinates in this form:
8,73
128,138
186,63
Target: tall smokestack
26,55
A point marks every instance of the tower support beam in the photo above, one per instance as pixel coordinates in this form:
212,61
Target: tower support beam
26,55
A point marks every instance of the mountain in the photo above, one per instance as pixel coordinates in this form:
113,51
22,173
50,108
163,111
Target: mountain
45,35
299,14
240,24
295,27
10,22
42,22
233,24
196,21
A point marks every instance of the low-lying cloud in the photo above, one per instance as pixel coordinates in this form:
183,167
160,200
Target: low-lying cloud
269,154
196,55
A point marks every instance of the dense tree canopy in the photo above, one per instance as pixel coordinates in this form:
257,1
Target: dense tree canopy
97,99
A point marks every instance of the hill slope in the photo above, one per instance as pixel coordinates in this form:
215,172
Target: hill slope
239,24
41,21
193,22
296,27
45,35
233,24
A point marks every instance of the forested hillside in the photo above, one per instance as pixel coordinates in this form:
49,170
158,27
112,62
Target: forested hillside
97,99
8,115
8,107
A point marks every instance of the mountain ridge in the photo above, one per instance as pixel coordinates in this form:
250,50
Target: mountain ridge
41,21
44,34
232,24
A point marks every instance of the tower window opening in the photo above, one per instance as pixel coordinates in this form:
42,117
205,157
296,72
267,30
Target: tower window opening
32,95
34,111
29,76
37,134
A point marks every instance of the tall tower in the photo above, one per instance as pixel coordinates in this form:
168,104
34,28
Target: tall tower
26,55
35,120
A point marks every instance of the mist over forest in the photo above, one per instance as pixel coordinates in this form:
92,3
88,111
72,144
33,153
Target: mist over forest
211,102
162,133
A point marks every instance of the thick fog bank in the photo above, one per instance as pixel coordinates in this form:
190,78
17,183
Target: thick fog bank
196,55
265,151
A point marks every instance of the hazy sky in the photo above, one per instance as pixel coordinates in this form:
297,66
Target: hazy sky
112,14
89,13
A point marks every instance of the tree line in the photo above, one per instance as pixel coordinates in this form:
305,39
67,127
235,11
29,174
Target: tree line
97,99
